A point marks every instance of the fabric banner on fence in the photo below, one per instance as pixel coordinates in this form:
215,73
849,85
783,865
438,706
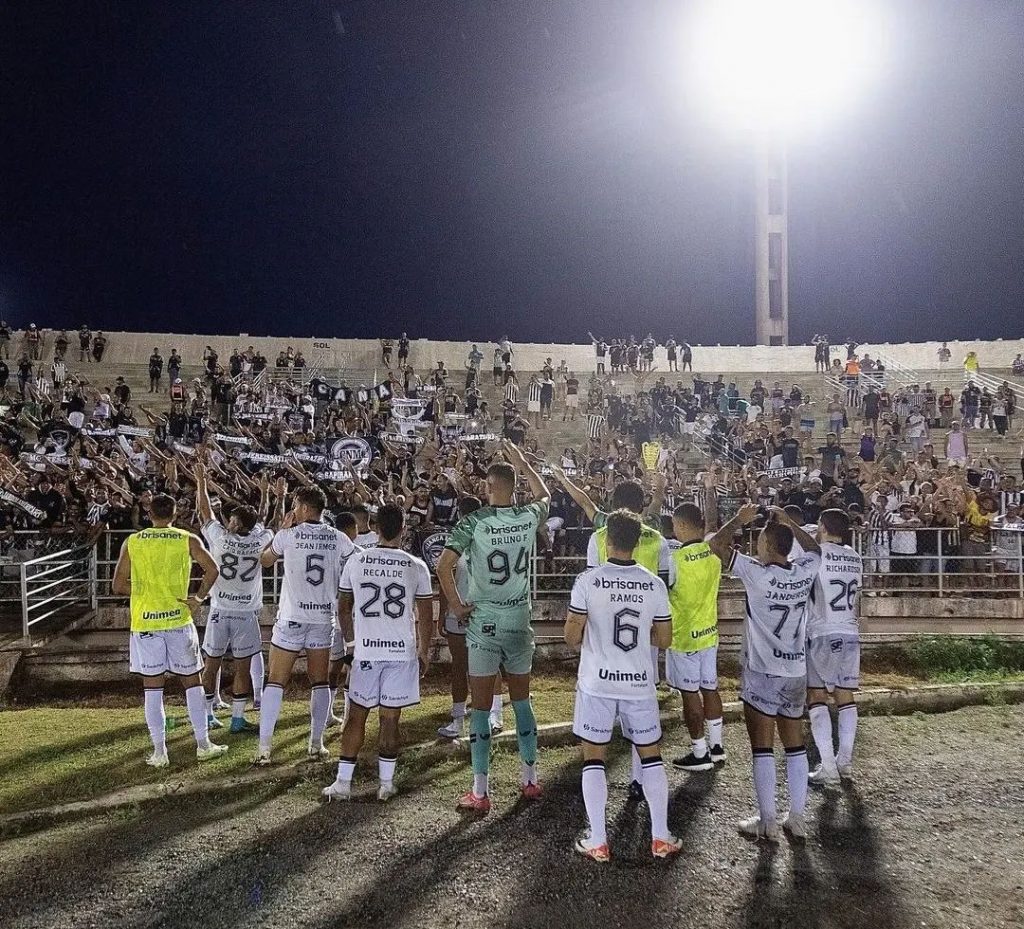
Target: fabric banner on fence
260,458
233,439
135,430
774,474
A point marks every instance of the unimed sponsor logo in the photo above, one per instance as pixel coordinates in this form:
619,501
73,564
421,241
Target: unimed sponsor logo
161,614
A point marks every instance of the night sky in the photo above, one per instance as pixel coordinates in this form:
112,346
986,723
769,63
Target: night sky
459,169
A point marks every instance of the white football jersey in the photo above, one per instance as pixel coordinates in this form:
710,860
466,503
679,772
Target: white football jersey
366,539
834,602
239,583
775,627
462,579
385,584
622,603
312,554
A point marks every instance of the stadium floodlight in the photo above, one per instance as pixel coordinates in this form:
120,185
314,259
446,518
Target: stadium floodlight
774,65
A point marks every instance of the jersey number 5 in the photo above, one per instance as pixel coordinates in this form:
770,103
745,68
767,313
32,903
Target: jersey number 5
314,570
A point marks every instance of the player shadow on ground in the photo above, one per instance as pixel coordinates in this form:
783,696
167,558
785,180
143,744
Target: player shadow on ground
835,879
123,772
77,866
95,740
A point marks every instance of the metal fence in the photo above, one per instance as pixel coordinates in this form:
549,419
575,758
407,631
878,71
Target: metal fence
61,585
942,562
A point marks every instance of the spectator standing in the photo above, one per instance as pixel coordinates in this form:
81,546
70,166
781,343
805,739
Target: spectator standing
5,373
24,374
174,366
58,371
944,355
956,446
34,340
99,346
5,340
60,343
156,370
971,365
84,343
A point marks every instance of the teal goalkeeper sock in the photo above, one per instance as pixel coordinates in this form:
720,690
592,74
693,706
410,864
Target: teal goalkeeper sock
526,731
480,741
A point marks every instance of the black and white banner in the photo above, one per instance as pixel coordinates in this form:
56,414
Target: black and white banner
15,500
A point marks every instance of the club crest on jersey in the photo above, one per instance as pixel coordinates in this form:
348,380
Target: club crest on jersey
488,629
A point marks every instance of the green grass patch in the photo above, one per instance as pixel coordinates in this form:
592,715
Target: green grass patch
964,658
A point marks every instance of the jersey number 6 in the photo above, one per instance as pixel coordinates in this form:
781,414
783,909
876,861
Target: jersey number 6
625,635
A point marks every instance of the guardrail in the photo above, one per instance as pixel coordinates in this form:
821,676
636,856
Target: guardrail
947,564
50,584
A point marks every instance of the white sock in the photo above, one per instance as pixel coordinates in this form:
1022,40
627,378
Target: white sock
821,730
211,700
655,654
637,773
216,684
256,672
386,769
496,705
529,773
238,705
715,732
796,777
346,768
153,703
595,799
480,785
319,709
764,783
196,701
273,697
700,747
655,782
459,710
847,732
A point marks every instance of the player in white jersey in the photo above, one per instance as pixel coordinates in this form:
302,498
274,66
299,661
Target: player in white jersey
348,523
312,553
833,647
234,618
773,659
616,611
454,631
387,616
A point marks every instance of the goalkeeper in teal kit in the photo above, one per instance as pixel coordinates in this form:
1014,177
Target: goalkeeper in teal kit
497,541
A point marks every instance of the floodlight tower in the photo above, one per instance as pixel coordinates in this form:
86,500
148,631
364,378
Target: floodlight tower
770,69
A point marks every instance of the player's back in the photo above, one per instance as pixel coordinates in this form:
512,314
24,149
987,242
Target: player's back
385,584
834,605
239,584
622,603
497,541
775,628
312,554
693,597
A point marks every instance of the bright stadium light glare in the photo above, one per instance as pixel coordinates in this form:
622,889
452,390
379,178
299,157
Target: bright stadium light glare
778,64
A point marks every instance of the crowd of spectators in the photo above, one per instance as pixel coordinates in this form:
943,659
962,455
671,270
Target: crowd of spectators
909,463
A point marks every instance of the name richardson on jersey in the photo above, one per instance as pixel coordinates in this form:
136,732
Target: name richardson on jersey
841,561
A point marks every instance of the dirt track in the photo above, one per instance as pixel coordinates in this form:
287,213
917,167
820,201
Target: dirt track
931,835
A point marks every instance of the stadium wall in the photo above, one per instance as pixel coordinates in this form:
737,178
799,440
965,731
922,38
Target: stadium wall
363,355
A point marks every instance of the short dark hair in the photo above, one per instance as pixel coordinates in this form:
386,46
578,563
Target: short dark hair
837,523
390,521
312,497
504,472
163,506
794,513
345,521
689,513
469,505
779,537
628,495
247,518
359,509
624,530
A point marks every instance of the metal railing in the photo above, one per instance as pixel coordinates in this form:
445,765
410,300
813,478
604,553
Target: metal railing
61,582
944,563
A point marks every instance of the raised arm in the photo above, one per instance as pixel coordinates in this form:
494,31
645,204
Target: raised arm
579,496
806,541
203,494
721,542
538,488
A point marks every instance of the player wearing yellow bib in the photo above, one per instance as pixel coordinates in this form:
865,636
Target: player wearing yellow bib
154,569
691,664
